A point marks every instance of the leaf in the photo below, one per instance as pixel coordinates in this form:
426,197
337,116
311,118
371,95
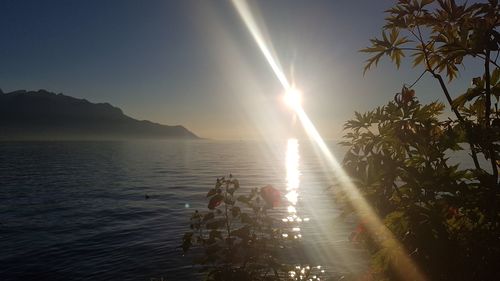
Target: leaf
471,94
215,224
215,234
271,195
419,57
384,36
402,40
243,198
495,76
186,241
235,211
242,232
396,56
211,192
451,71
372,49
229,201
372,61
215,201
394,35
245,218
212,249
425,2
208,217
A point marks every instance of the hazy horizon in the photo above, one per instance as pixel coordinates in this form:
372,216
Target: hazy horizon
204,140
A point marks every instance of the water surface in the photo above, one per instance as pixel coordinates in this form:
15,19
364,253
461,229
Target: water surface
78,211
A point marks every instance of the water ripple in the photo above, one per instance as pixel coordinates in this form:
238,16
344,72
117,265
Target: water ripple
78,210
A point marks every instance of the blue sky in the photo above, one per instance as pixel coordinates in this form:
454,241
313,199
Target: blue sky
194,63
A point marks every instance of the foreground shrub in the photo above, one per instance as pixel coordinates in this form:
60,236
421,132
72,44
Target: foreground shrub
446,216
447,220
241,238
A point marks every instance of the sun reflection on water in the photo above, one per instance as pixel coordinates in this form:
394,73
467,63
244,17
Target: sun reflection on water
292,172
404,266
292,187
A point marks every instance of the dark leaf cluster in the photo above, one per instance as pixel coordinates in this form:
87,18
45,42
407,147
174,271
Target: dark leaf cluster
398,157
240,238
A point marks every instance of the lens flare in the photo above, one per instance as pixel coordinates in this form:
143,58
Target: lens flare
403,264
266,48
293,98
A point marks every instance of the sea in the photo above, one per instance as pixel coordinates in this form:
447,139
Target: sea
117,210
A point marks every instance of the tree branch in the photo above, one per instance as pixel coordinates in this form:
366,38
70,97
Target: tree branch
448,97
487,103
418,79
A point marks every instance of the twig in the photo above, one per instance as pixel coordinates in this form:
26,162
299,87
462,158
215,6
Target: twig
487,113
418,79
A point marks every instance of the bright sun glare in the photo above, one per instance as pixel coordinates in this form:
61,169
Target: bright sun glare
405,266
293,98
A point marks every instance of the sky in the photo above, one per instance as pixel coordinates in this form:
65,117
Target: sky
194,63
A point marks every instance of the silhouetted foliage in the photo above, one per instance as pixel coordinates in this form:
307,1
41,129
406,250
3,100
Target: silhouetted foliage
440,35
446,216
238,238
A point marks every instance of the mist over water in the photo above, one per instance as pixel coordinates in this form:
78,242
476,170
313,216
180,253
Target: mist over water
78,210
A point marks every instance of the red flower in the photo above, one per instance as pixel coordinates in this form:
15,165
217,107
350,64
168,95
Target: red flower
453,212
408,95
361,228
358,231
271,195
215,201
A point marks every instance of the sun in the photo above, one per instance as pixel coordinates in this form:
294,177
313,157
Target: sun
293,98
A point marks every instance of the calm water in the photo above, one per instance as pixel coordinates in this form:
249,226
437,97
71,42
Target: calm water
77,210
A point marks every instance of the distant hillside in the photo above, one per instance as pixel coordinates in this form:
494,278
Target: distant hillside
41,115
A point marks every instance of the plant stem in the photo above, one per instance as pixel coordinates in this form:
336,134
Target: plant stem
459,117
487,116
447,95
228,227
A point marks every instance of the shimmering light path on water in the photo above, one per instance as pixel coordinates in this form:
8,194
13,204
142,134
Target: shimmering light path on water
77,210
293,217
405,267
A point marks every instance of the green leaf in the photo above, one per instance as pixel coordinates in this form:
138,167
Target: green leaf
242,232
495,75
394,35
396,56
211,192
212,249
245,218
187,241
215,234
419,58
208,217
384,36
243,198
374,49
372,61
215,224
471,94
425,2
235,211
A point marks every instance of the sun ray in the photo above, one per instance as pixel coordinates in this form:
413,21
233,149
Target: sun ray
265,47
405,267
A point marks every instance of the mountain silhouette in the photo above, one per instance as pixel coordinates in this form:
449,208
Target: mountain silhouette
42,115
